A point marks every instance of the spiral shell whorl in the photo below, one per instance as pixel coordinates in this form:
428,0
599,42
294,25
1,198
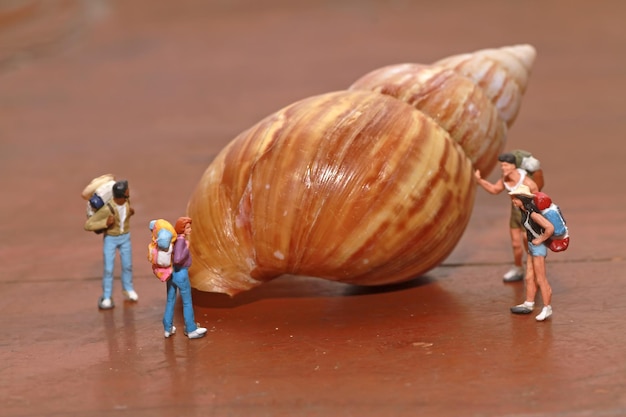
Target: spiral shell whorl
454,101
502,73
349,186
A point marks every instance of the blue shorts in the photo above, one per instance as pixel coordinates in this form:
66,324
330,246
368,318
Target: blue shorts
537,250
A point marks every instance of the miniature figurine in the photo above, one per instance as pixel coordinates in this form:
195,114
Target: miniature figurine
539,229
114,219
512,177
180,281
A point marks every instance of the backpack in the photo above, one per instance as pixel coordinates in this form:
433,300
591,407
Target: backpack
98,193
161,247
526,161
560,239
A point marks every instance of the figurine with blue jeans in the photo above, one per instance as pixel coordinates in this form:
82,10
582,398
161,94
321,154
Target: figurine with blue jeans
180,281
114,220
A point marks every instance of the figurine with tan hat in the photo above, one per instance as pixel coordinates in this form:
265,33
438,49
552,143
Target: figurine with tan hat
539,230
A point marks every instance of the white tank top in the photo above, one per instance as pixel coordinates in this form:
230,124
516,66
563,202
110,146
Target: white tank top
522,175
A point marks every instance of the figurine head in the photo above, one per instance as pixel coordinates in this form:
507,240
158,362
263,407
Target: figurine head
542,201
509,158
507,163
120,189
181,224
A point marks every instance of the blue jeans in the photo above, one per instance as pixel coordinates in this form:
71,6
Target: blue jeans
180,281
121,243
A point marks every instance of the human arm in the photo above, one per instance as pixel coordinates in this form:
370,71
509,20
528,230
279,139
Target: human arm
495,188
101,219
181,252
548,228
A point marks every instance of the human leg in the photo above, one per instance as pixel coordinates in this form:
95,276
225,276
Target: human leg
536,279
168,315
108,255
516,244
126,259
516,232
181,277
544,286
539,266
531,280
531,290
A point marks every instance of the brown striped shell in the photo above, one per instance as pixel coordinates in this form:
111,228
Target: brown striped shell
353,186
454,101
501,73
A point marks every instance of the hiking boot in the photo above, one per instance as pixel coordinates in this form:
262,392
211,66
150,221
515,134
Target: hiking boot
524,308
546,312
171,332
516,273
105,303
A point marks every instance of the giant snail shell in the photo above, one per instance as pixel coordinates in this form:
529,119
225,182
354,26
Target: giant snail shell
372,185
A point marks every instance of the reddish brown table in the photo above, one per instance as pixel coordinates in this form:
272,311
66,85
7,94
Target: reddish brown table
151,91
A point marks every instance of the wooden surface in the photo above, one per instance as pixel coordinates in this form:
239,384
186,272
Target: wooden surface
151,90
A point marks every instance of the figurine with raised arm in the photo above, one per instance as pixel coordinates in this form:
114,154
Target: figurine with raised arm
539,229
181,261
512,178
114,220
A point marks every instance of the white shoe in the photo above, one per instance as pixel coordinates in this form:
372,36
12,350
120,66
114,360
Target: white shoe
171,332
546,312
198,333
105,303
516,273
131,295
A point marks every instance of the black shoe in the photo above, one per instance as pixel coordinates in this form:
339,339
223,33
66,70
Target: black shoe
514,278
521,309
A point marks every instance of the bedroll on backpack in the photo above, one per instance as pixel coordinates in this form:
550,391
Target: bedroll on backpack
98,193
